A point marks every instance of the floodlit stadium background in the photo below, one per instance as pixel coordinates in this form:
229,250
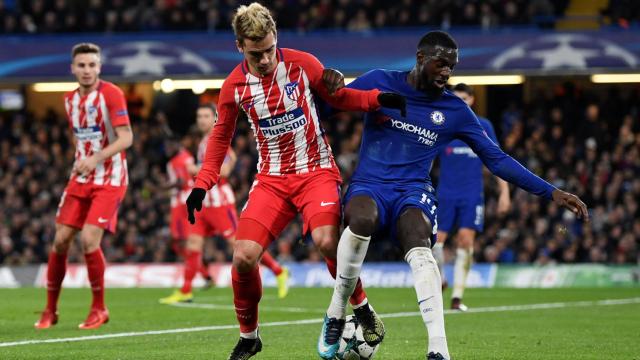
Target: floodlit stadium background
558,79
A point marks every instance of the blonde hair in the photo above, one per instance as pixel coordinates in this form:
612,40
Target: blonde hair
253,22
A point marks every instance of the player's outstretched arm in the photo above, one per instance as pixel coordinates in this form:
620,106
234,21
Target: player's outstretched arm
327,82
507,168
571,202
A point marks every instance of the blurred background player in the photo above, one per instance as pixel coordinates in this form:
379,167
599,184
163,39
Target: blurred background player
391,187
219,216
460,196
181,183
297,172
97,115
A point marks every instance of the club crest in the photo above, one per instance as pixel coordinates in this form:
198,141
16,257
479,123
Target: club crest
437,117
292,90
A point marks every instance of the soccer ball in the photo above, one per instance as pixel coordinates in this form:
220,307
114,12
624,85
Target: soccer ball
352,344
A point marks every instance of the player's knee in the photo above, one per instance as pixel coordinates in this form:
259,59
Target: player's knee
61,246
465,239
195,243
327,245
363,224
62,241
244,260
420,257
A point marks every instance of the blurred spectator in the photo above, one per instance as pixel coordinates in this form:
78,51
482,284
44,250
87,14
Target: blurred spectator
603,169
46,16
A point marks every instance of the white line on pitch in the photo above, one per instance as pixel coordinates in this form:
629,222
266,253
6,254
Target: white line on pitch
317,320
231,307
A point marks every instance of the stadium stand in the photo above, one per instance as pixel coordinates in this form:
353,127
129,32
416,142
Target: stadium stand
586,143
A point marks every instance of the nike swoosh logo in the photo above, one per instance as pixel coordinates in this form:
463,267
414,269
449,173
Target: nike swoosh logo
102,221
421,301
326,203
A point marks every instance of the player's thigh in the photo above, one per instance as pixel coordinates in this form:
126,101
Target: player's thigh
414,229
365,209
72,212
105,202
267,207
416,222
317,197
195,242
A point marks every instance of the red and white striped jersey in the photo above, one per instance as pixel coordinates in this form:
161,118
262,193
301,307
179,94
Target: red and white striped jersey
282,112
178,171
222,193
93,119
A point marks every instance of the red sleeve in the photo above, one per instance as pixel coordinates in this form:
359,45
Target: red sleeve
343,99
67,100
116,104
220,138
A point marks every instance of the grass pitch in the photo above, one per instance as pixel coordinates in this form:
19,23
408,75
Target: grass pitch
507,324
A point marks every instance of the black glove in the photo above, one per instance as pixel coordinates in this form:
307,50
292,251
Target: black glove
393,101
194,201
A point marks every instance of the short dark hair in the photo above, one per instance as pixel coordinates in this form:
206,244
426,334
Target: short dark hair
210,106
85,48
434,38
462,87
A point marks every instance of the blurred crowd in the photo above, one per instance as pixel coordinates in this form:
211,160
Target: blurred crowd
72,16
586,144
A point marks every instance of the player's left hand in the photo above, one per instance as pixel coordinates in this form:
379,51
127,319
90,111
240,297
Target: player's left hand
194,202
86,165
571,202
393,101
333,80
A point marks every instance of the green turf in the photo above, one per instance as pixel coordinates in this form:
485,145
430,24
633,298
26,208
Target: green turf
587,332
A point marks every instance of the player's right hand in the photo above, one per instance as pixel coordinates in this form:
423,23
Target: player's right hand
194,202
393,101
333,80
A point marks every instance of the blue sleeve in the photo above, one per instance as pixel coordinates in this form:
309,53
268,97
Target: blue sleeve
364,81
469,130
488,127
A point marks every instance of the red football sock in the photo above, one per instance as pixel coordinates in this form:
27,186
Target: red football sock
358,295
95,269
192,263
56,269
204,269
268,261
247,291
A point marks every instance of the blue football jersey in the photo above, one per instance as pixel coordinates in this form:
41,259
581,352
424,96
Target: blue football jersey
400,150
461,169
